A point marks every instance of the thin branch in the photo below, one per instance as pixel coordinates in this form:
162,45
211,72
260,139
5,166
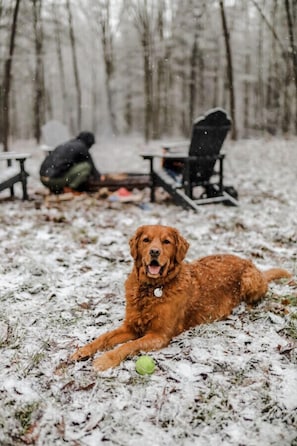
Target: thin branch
270,27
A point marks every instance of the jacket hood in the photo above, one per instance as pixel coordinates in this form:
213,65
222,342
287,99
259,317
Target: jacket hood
87,137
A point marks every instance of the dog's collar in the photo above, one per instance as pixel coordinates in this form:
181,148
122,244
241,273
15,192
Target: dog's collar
155,290
158,292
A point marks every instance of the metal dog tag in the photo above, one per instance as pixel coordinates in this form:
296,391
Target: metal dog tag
158,292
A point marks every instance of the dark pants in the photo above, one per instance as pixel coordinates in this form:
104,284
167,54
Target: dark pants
73,178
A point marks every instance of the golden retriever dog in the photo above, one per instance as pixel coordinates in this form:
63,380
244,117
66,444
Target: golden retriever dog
166,296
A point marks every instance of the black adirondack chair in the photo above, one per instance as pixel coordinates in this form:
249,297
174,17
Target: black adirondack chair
202,166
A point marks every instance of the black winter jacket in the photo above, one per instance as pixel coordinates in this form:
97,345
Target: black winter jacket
65,156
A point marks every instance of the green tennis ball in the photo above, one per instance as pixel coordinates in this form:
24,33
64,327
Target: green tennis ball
145,365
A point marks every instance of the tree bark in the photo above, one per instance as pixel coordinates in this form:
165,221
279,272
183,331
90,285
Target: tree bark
273,91
7,78
158,102
269,26
193,79
39,71
142,23
229,70
107,45
259,87
246,83
75,65
293,52
65,107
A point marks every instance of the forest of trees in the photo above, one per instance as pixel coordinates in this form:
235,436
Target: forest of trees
147,66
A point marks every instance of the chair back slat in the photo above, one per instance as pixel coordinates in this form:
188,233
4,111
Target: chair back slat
208,135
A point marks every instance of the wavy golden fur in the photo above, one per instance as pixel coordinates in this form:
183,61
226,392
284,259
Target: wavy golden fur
166,296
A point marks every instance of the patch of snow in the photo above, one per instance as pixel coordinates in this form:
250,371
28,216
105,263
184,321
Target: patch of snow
62,284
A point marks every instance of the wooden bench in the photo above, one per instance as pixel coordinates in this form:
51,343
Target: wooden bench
12,171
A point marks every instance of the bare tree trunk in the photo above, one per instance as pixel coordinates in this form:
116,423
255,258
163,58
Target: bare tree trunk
158,102
246,83
286,114
75,65
293,51
128,112
246,99
39,71
1,92
142,23
259,89
107,44
148,86
193,79
269,26
283,51
94,98
7,78
201,78
229,70
60,63
128,107
184,122
168,87
273,91
216,77
198,65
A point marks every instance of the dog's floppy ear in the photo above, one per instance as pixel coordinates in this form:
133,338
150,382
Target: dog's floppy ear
134,243
182,247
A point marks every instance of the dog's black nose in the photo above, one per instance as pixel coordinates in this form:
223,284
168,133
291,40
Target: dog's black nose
154,252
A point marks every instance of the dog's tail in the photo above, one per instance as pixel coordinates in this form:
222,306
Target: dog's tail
276,273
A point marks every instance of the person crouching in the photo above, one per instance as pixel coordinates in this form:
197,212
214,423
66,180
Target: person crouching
70,167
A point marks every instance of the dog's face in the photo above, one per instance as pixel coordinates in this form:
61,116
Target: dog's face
157,250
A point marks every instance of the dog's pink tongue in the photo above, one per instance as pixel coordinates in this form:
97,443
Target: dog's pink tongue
154,270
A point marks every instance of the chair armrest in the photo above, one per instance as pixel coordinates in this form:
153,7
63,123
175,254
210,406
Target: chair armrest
179,156
170,146
46,148
148,156
185,157
14,156
219,156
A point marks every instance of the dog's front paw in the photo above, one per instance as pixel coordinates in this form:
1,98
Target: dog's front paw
81,353
105,362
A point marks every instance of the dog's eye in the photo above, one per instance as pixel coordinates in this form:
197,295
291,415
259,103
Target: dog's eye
166,242
146,240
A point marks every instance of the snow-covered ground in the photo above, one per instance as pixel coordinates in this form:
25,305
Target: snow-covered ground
62,270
